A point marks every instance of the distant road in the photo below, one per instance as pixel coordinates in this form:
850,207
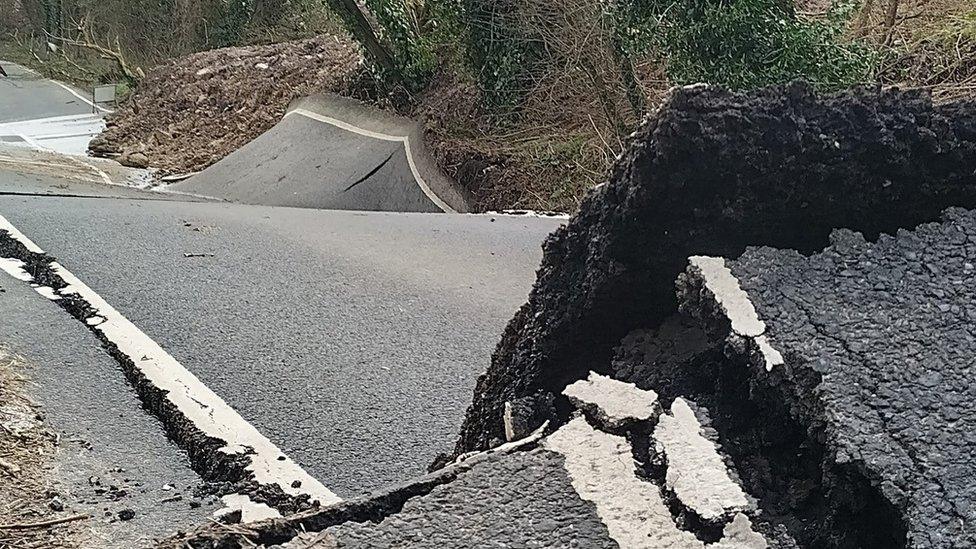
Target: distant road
43,113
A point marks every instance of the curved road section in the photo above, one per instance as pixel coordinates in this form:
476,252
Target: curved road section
329,152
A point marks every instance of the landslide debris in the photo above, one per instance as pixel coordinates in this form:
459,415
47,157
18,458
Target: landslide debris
712,172
192,111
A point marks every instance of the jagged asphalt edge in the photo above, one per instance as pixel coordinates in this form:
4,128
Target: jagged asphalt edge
769,371
872,160
373,507
226,473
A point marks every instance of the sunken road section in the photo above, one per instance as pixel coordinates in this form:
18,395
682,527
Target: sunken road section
710,173
331,152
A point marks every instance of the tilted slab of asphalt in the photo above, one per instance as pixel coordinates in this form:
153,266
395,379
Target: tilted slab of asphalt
332,153
886,332
112,455
351,340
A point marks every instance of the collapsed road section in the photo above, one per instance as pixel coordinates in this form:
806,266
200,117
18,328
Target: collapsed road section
821,401
878,345
581,485
331,152
709,174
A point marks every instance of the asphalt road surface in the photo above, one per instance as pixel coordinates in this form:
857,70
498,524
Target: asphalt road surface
28,96
351,340
330,152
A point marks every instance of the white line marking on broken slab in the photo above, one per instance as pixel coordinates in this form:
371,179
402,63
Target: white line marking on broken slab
614,402
602,470
735,302
695,470
383,137
194,400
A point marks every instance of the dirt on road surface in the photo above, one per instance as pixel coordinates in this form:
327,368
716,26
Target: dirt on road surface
33,514
193,111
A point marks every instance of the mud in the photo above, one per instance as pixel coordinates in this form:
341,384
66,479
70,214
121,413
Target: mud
710,173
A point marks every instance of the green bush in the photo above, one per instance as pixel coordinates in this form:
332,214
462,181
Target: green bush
744,43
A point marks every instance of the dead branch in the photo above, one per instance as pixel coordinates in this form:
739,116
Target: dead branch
43,523
86,39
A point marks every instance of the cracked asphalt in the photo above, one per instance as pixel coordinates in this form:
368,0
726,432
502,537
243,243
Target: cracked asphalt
888,330
112,456
351,340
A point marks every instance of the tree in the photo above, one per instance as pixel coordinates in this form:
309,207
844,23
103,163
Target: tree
358,25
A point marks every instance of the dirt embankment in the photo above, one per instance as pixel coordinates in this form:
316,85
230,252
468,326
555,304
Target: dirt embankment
193,111
711,173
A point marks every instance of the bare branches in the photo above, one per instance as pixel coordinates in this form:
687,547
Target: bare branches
86,39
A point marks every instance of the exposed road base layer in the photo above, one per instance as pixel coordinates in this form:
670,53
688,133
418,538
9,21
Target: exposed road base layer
709,174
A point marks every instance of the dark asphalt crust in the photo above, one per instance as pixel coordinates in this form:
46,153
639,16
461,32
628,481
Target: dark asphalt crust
879,341
711,173
226,473
523,484
524,499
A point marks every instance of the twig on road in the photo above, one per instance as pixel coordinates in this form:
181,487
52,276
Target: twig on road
43,523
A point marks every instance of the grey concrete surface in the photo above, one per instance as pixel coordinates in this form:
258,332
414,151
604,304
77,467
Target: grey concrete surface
887,331
308,163
24,95
112,456
351,340
524,499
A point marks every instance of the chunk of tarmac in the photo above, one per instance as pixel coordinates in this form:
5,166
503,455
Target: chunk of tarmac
330,152
577,487
878,348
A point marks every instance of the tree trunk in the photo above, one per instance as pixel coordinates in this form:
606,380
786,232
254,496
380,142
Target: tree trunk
359,27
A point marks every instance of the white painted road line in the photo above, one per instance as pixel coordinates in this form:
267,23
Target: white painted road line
601,469
383,137
696,473
735,302
67,89
194,400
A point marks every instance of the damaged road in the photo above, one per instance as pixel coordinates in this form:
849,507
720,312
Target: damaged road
312,331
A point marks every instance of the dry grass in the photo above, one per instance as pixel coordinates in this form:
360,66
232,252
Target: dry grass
27,449
931,44
570,123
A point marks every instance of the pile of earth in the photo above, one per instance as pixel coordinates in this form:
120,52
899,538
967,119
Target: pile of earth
190,112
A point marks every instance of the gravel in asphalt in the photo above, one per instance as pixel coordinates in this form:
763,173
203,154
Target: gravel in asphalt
883,335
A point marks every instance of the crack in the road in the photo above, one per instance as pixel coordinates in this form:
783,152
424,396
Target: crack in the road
226,473
371,172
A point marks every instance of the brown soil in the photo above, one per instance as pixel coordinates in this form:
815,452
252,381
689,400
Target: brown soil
26,452
192,111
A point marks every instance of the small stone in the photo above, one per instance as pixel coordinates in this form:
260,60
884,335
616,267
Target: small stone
127,514
296,484
134,160
56,504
